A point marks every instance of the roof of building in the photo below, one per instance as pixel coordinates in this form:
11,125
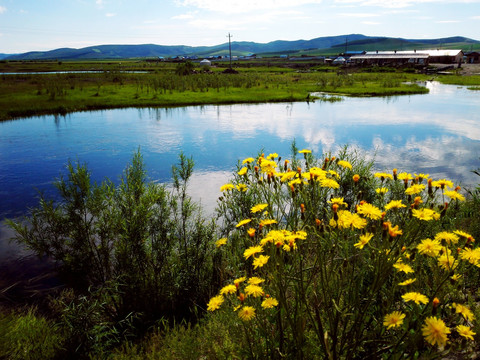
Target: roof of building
382,55
436,52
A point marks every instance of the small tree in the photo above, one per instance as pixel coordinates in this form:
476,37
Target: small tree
185,68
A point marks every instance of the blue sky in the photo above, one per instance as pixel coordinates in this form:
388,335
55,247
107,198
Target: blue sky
27,25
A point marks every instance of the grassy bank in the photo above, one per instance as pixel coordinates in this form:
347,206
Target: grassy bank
116,87
314,258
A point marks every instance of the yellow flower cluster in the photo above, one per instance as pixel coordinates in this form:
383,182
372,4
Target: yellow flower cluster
242,299
378,225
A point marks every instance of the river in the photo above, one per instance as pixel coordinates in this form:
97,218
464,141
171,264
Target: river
436,133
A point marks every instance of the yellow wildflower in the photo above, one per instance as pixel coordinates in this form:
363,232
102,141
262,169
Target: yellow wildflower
242,187
425,214
254,290
370,211
435,331
422,176
364,239
239,280
463,234
329,183
243,222
407,282
251,251
254,280
346,220
338,201
393,319
246,313
383,176
381,190
334,173
248,160
471,255
400,266
228,289
305,151
258,208
227,187
394,204
318,173
450,238
215,303
269,303
464,310
266,222
287,176
415,189
260,261
404,176
454,195
442,184
220,242
447,261
345,164
465,331
416,297
242,171
455,277
429,247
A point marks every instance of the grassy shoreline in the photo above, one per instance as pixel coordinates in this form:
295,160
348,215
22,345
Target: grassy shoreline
41,94
140,84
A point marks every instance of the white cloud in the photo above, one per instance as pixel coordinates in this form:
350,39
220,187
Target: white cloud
110,14
447,21
476,17
401,3
371,23
359,15
243,6
183,16
2,9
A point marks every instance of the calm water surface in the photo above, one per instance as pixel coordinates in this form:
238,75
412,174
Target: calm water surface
437,133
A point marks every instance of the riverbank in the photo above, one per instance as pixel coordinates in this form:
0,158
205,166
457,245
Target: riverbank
115,86
283,253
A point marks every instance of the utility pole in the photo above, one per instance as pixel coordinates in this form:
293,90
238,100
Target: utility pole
230,48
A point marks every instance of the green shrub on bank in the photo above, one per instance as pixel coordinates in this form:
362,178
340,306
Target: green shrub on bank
132,253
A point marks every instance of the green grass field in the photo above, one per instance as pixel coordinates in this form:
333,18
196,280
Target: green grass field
136,83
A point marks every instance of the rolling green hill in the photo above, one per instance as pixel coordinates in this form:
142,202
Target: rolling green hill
321,45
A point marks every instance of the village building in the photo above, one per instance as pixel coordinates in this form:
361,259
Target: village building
415,57
205,62
472,57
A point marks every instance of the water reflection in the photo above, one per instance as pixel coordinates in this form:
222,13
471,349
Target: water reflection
437,133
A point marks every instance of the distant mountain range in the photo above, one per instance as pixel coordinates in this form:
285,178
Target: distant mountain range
320,46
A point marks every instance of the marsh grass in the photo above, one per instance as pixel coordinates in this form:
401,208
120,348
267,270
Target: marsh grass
25,95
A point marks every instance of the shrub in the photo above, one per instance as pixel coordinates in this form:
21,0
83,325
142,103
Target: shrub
149,246
340,262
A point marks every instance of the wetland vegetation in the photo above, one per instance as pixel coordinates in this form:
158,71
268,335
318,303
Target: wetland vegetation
307,256
116,84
